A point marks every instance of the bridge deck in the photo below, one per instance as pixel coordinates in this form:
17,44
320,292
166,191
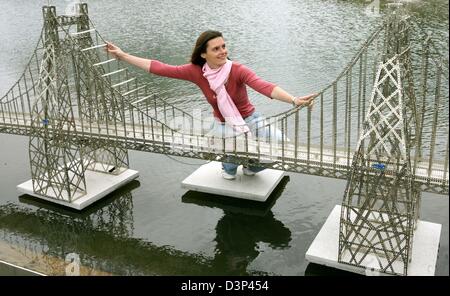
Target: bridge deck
313,159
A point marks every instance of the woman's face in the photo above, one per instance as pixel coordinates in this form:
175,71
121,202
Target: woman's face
216,53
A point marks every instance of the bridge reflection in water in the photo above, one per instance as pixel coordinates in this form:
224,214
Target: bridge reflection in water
102,236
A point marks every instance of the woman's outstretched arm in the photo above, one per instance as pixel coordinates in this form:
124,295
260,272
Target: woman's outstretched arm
271,90
128,58
184,72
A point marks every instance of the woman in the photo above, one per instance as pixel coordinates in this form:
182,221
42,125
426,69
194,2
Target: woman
222,82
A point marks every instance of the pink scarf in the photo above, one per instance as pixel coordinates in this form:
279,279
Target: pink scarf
217,79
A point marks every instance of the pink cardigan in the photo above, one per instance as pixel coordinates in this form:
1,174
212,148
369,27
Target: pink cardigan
240,75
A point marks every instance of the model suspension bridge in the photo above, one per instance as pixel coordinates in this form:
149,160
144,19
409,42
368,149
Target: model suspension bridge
382,125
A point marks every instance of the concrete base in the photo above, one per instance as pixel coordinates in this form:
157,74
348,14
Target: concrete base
208,178
98,185
324,248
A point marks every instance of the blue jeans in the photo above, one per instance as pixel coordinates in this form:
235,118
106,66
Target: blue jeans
256,124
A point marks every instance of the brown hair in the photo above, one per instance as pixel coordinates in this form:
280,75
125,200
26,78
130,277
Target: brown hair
200,46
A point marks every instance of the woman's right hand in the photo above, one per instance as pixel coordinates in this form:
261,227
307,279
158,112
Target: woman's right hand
115,51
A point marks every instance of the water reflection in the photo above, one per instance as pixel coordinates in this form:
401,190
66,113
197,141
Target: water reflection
102,237
41,238
112,214
244,225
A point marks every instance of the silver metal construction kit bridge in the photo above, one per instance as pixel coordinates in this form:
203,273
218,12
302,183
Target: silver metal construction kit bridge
382,125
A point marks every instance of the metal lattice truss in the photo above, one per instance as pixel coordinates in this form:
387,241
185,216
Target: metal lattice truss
56,165
381,203
384,121
58,161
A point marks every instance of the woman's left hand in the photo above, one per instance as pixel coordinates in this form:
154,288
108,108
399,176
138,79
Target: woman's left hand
307,100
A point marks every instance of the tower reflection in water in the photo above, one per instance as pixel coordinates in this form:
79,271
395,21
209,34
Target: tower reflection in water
42,235
244,225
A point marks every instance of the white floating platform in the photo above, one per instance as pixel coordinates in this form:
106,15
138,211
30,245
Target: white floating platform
98,185
324,248
208,178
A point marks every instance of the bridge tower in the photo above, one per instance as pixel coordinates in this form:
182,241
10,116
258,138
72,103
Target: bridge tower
62,157
379,212
376,229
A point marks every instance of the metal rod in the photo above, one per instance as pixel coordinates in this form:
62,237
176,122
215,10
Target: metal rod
143,99
115,72
349,120
346,109
424,84
360,83
82,32
123,82
94,47
133,124
134,90
321,130
104,62
282,140
334,135
308,137
437,99
296,133
22,104
444,179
